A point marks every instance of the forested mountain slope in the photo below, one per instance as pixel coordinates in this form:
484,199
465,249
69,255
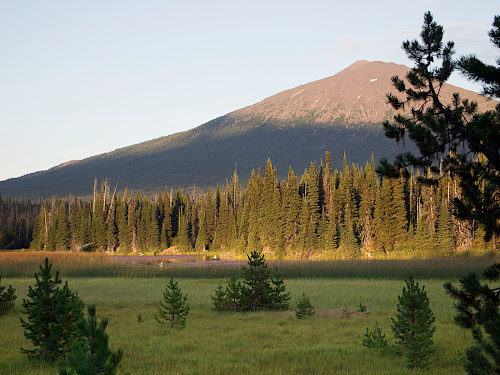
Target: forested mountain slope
338,114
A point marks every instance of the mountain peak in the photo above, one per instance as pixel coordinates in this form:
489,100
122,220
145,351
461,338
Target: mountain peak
355,95
340,114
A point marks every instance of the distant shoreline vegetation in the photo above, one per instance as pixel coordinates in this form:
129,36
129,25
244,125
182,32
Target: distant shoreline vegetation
346,214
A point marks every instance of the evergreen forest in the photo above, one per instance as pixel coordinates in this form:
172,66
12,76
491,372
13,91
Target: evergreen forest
324,213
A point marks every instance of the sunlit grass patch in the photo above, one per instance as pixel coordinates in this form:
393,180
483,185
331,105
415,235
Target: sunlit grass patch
250,342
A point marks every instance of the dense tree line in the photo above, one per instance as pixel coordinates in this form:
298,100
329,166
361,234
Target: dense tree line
348,213
17,218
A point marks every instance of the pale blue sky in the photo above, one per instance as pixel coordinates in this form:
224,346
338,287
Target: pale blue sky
79,78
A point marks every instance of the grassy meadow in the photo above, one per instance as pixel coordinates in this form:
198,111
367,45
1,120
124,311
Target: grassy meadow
246,343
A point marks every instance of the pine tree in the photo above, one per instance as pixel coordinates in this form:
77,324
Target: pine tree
166,225
369,194
277,236
99,221
152,230
256,289
423,242
304,221
279,297
311,240
38,241
233,294
83,226
228,299
413,327
312,194
466,139
478,307
51,244
221,239
174,308
327,179
304,307
202,237
444,229
398,214
383,233
63,235
121,223
220,299
111,227
52,314
375,339
332,231
249,222
182,232
267,208
7,298
290,208
90,354
348,245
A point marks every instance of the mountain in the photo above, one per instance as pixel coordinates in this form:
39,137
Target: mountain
341,113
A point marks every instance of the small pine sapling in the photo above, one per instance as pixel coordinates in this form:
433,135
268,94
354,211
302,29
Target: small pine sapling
7,298
220,299
346,312
361,308
413,327
174,308
233,294
375,339
90,354
279,296
304,307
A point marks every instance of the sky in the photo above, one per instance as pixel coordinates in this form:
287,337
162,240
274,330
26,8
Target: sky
81,78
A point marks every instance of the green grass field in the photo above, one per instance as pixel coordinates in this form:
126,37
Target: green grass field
248,343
